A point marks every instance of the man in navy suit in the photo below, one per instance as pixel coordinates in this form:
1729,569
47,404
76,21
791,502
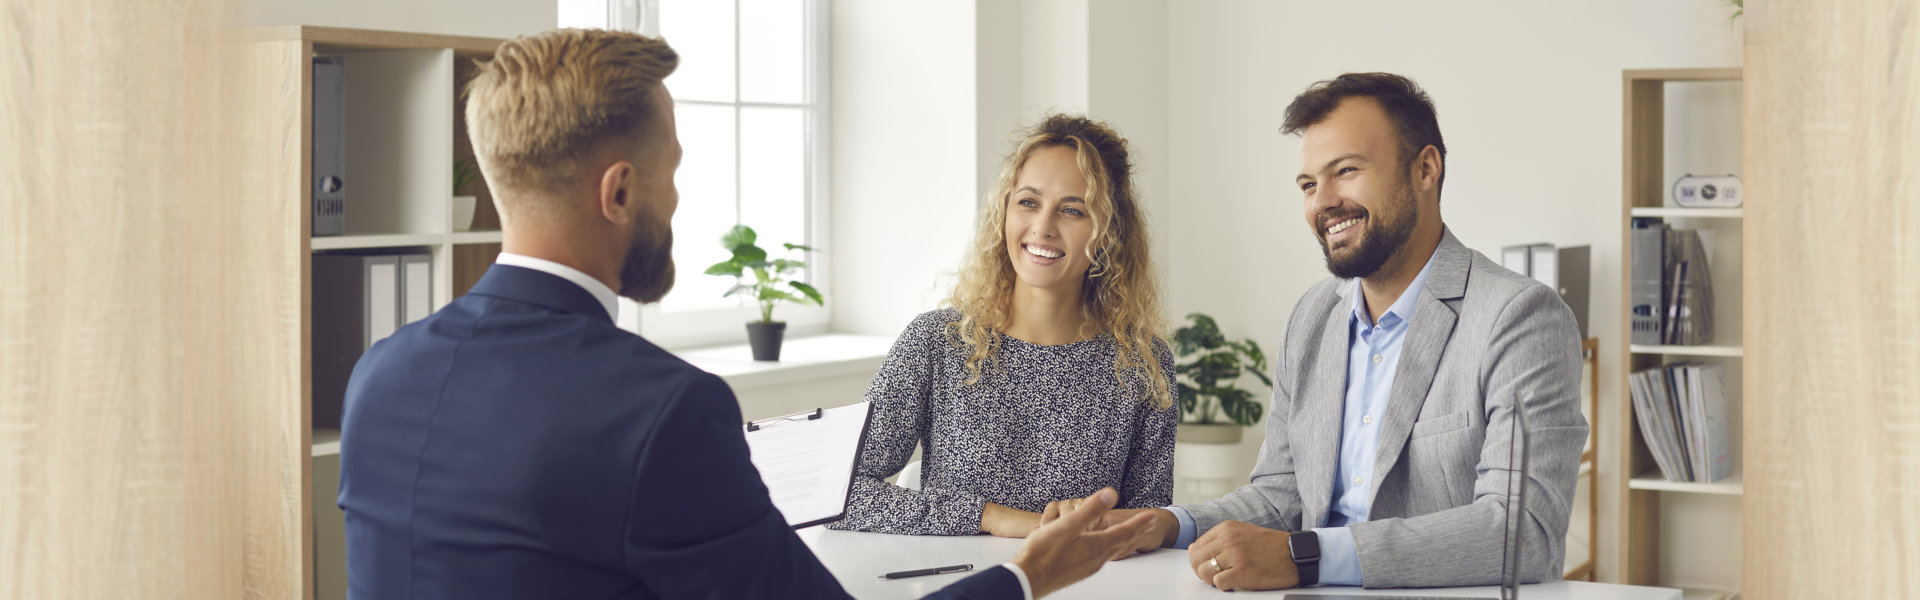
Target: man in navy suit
516,444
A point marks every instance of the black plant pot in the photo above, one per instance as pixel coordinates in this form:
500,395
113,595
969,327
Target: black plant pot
765,338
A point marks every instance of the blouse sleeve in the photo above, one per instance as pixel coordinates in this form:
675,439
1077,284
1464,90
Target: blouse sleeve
1148,482
901,395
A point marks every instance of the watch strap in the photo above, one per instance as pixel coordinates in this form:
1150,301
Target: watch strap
1304,547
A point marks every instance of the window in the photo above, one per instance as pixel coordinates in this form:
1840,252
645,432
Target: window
750,105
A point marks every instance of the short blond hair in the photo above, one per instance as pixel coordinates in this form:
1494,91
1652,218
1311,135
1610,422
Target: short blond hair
545,100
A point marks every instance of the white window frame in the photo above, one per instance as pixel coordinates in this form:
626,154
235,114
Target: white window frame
726,326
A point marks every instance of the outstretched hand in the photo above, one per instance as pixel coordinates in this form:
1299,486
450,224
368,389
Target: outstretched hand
1070,545
1161,533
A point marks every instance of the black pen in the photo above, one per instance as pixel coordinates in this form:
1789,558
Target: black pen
932,571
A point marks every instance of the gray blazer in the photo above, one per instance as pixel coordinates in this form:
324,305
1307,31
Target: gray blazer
1483,340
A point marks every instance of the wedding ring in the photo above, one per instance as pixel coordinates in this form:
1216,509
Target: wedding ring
1215,562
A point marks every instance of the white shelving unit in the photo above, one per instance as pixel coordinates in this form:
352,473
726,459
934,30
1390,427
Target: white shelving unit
1687,213
1676,534
404,240
1730,486
1708,350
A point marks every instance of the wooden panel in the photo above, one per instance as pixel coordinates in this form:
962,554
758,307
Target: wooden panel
331,39
142,339
90,404
1645,119
245,341
1642,149
470,261
1711,74
1832,505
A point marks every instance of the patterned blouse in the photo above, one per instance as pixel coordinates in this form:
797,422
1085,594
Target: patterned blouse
1050,423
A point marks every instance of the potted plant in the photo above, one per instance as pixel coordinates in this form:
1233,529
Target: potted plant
770,285
464,172
1213,408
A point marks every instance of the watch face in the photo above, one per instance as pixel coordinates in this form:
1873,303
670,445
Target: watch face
1304,545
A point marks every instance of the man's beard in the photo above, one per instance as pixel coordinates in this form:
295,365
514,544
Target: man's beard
1379,242
647,274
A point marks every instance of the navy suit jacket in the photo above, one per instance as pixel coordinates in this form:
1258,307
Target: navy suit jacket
516,444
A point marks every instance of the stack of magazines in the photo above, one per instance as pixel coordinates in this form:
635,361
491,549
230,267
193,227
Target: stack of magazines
1682,411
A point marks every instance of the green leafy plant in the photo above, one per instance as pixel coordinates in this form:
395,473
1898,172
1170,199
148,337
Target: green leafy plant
464,170
1209,368
771,283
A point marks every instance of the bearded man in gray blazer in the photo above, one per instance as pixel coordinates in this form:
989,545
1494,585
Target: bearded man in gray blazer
1386,460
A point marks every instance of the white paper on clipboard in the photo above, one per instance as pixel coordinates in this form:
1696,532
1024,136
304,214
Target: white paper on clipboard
807,462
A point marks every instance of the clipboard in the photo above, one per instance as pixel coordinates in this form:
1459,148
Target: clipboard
807,460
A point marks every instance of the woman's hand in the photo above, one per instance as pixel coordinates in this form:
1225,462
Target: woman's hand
1007,522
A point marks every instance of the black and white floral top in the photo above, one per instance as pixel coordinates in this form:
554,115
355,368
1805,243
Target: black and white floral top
1049,423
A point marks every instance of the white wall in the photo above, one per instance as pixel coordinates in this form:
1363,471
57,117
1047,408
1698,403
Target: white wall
1127,73
1053,55
1529,99
483,18
905,161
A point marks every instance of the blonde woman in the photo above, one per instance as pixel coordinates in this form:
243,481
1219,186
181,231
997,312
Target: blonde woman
1046,377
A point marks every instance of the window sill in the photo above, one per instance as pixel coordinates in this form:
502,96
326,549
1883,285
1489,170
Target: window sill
801,359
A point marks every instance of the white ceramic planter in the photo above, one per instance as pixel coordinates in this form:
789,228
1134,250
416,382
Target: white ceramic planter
463,212
1207,462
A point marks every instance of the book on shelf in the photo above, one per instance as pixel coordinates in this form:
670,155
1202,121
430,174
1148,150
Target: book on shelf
359,298
1682,412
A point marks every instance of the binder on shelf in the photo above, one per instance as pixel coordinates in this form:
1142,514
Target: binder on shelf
416,287
328,187
1566,269
357,300
1515,258
1649,259
807,460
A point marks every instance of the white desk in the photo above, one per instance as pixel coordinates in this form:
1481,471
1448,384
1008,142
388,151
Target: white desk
857,559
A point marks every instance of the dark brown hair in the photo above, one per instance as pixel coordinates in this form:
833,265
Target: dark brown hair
1408,106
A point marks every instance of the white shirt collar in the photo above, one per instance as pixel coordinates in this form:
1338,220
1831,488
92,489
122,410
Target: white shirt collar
600,291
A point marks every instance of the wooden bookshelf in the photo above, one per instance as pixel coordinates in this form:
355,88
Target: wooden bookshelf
403,135
1675,534
1583,531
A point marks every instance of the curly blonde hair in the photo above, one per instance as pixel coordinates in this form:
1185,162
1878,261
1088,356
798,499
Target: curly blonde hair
1121,292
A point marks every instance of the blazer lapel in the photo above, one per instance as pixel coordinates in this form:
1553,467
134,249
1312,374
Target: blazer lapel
1426,340
1316,430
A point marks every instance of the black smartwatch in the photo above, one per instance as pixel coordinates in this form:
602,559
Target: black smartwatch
1305,548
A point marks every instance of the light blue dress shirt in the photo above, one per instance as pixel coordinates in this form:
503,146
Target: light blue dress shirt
1373,355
